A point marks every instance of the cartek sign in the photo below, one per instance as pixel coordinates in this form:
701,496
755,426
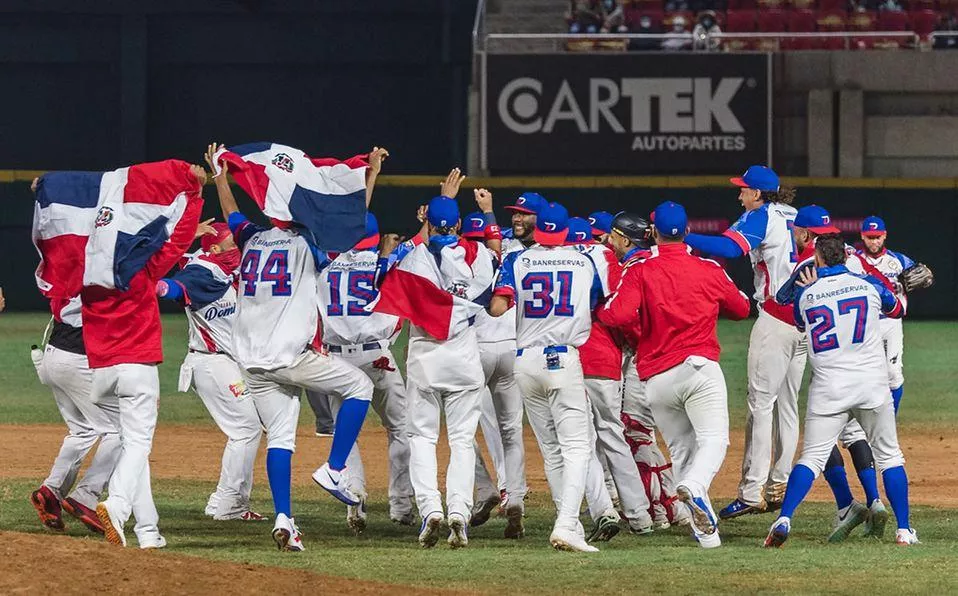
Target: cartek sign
626,113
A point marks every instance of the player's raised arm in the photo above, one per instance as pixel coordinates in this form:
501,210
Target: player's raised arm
376,158
223,190
493,237
504,292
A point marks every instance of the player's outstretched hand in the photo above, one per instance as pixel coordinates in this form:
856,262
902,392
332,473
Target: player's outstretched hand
33,185
199,172
807,277
388,243
205,228
421,214
376,158
450,186
483,199
210,152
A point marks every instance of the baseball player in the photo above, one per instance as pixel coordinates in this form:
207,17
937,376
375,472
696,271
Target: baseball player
891,264
838,311
677,299
601,222
205,288
629,238
498,353
323,411
554,289
362,338
442,373
601,359
277,315
63,367
777,351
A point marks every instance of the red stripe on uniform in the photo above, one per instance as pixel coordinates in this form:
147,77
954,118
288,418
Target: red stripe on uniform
737,237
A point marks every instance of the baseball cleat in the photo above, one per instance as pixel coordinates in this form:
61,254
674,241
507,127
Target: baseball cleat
430,530
458,537
356,517
331,480
514,526
403,519
605,528
247,515
854,515
570,541
906,537
83,513
153,542
48,508
482,511
738,508
778,533
877,518
702,520
112,528
286,535
642,527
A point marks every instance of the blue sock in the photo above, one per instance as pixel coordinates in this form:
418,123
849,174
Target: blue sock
896,487
278,463
838,482
799,483
349,421
896,396
869,480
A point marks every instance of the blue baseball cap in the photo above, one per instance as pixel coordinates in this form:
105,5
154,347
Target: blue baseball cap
580,231
474,226
601,222
442,212
670,219
371,239
873,226
815,219
552,224
528,202
758,178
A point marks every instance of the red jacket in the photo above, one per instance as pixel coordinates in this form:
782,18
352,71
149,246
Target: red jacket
124,327
601,355
674,299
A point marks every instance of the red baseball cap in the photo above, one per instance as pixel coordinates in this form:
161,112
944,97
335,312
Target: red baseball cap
222,233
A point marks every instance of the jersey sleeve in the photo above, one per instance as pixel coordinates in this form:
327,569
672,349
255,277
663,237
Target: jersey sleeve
790,289
906,261
715,246
749,231
797,310
622,307
732,301
242,228
506,279
890,304
195,286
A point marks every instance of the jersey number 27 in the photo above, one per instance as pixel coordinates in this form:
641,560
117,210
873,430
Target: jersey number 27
823,336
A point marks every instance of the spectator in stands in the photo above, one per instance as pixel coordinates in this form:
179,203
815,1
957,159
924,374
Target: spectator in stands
614,17
705,29
949,23
646,25
890,5
585,16
673,5
679,27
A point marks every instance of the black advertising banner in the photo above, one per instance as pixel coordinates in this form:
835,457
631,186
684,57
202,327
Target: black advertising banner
638,114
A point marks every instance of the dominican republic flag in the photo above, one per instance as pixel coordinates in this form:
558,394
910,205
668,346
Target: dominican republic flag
101,228
324,195
416,289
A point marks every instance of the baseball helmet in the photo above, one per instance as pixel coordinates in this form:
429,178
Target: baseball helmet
632,227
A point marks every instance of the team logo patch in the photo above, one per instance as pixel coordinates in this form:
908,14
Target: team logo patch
238,389
549,226
283,162
458,289
103,217
592,221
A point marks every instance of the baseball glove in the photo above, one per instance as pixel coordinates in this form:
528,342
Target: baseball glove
916,277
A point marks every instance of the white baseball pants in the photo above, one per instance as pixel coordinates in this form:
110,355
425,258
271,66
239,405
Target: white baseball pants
71,380
389,402
893,336
559,413
822,430
219,383
776,362
485,487
690,405
130,393
605,395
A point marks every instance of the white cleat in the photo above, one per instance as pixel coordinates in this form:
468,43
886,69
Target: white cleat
906,537
332,481
112,528
845,521
877,518
457,531
356,516
704,528
570,541
430,530
286,534
156,541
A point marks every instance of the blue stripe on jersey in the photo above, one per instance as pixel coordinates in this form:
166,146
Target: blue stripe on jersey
201,286
79,189
242,228
507,273
905,260
753,225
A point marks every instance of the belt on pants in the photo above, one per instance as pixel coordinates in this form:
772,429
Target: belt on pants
364,347
558,349
192,351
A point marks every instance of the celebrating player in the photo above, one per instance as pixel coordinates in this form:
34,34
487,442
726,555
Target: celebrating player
776,350
677,299
601,222
554,288
838,310
205,287
276,320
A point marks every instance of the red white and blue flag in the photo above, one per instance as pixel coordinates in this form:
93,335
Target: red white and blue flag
101,228
324,195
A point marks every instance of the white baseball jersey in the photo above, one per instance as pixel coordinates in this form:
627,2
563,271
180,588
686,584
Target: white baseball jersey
891,264
555,290
278,295
492,329
604,259
212,305
839,312
346,286
766,235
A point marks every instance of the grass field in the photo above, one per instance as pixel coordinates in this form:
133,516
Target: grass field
666,562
